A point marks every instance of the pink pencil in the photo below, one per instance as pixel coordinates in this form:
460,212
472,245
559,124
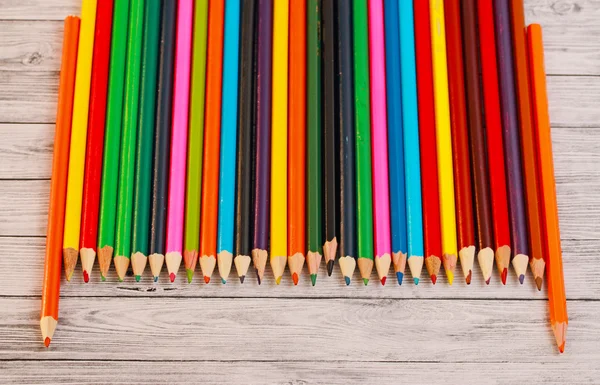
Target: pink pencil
379,150
181,93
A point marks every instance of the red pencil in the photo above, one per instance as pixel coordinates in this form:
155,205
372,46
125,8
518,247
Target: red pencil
429,179
487,46
95,142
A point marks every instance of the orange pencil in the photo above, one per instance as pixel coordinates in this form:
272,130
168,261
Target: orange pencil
58,186
556,285
297,139
212,139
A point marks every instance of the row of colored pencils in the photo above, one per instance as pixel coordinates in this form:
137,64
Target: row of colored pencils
238,131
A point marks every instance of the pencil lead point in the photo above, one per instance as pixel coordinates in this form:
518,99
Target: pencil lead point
521,278
468,278
295,278
47,341
330,267
156,279
383,281
416,281
242,277
172,277
206,279
102,278
223,281
366,281
347,279
278,280
400,277
504,275
258,277
433,278
538,283
450,276
137,278
190,275
86,277
313,279
488,281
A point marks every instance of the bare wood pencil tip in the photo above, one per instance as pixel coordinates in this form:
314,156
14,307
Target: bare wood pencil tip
382,264
347,267
520,262
449,261
121,266
329,252
313,260
105,255
560,334
278,266
433,264
467,258
296,263
485,257
48,326
156,264
70,261
415,264
365,267
538,266
399,261
242,264
207,265
224,259
87,256
259,259
138,264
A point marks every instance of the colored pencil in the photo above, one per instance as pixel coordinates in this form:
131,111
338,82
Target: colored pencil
379,153
212,126
530,171
495,148
58,185
177,168
128,139
112,137
263,138
443,137
314,177
460,139
395,138
279,139
348,254
483,212
364,197
329,124
246,120
95,140
556,285
227,162
297,140
427,141
162,135
191,239
145,136
410,119
78,136
512,148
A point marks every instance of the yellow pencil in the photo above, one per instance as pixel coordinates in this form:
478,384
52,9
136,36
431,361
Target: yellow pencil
279,140
81,103
443,137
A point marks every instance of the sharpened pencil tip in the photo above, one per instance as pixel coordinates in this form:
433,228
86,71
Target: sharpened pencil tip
278,280
400,277
504,275
383,281
242,277
329,267
47,341
433,278
347,279
190,275
86,277
137,278
416,280
313,279
488,281
102,278
295,278
206,279
468,277
538,283
258,277
521,278
156,279
366,281
172,277
450,276
223,281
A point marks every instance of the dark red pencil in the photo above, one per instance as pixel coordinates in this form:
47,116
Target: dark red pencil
429,179
95,135
495,142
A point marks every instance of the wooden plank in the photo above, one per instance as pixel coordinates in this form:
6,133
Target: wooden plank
278,329
30,97
571,31
582,282
31,45
26,151
294,373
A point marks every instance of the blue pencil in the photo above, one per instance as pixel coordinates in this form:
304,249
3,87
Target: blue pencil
395,138
228,139
410,117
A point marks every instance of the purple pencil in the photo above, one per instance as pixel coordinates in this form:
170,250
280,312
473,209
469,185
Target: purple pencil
512,146
263,138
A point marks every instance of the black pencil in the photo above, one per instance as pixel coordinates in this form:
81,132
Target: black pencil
329,119
347,175
162,136
246,101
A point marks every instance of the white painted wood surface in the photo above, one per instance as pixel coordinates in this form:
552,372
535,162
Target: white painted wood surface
329,334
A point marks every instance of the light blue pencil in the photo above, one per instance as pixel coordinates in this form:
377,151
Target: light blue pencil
228,138
395,139
410,117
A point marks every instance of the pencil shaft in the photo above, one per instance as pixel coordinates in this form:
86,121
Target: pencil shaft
177,168
263,128
314,192
129,133
162,135
143,162
79,126
510,122
297,130
347,134
191,239
364,197
246,118
112,134
96,121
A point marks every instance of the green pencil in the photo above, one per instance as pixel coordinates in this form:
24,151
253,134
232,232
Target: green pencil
364,200
314,192
195,141
112,137
128,138
145,139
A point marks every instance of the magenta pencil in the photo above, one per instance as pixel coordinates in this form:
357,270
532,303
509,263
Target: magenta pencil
381,197
181,91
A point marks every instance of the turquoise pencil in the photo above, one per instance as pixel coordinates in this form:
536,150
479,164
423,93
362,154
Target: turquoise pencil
228,138
412,156
395,139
